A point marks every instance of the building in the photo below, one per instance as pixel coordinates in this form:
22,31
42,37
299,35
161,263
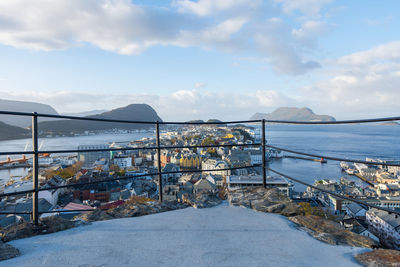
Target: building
213,165
386,178
204,185
385,225
355,210
190,161
123,161
89,158
366,171
236,181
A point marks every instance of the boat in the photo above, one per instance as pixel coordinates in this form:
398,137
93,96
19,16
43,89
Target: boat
350,171
344,165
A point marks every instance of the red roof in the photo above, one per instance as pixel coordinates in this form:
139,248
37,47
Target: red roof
77,207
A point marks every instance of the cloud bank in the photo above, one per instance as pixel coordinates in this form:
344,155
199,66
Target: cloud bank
249,27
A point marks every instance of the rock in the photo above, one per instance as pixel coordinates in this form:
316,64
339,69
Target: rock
260,205
332,232
96,215
7,251
276,208
55,223
200,200
292,209
19,230
380,257
264,200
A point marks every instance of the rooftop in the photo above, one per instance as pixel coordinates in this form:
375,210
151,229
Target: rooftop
222,235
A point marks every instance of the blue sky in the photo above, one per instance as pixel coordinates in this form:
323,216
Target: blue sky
205,58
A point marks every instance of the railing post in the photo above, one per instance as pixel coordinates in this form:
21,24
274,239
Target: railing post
263,153
35,168
160,187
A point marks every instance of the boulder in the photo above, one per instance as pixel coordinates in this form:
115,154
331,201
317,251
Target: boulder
276,208
7,251
55,223
96,215
332,232
292,209
19,230
201,200
380,257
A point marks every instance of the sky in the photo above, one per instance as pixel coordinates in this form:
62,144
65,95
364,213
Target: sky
203,59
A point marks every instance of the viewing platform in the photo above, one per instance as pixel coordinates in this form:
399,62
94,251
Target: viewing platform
218,236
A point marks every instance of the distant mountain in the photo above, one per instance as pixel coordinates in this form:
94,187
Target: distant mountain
86,113
23,106
196,121
134,112
9,132
292,114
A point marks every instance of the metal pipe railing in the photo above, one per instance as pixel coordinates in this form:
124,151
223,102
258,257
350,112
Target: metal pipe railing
35,152
334,158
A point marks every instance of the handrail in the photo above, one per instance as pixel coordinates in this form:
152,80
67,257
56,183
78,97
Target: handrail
200,123
334,158
36,153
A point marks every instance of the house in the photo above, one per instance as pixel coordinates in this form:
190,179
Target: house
355,210
170,191
214,165
173,176
204,185
356,226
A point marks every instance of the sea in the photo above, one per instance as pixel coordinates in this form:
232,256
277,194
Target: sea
347,141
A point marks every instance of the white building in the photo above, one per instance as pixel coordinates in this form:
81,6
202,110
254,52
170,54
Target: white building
237,181
386,225
89,158
213,165
123,162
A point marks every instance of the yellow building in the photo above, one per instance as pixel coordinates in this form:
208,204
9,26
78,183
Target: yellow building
190,161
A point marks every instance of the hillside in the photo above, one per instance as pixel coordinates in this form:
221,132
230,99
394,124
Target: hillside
9,132
23,106
133,112
292,114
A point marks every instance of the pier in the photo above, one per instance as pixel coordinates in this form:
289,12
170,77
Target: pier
321,160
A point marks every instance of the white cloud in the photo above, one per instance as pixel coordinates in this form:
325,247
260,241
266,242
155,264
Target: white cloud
309,8
126,28
209,7
364,83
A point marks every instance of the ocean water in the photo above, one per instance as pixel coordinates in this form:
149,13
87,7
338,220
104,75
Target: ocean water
347,141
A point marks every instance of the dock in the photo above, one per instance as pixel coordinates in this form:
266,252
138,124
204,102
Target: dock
321,160
364,179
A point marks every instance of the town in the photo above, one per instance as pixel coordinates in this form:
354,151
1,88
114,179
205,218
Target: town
224,164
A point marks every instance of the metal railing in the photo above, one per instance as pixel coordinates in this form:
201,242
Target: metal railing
158,147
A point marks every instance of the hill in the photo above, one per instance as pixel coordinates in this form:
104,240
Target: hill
9,132
133,112
23,106
292,114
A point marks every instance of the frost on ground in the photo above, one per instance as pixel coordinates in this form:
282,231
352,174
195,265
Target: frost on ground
222,235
